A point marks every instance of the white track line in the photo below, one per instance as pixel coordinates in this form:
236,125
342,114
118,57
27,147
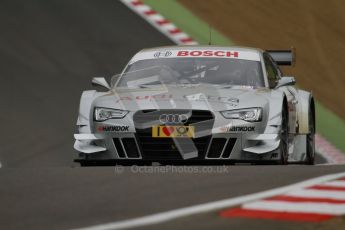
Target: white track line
335,183
301,207
216,205
315,193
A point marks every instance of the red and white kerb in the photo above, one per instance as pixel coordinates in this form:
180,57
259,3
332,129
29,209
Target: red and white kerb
315,203
329,151
159,22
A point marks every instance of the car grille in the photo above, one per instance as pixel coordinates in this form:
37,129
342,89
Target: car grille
128,148
220,148
119,148
229,147
165,148
216,147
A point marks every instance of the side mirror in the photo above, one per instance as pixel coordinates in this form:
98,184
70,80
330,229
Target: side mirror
100,81
286,81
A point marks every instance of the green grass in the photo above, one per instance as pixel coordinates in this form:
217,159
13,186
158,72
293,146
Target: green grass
327,123
187,21
330,126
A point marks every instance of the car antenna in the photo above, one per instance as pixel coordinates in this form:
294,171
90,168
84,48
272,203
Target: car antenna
210,35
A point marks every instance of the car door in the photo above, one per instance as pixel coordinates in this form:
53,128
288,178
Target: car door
274,74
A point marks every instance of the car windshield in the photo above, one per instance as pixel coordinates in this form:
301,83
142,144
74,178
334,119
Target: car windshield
218,71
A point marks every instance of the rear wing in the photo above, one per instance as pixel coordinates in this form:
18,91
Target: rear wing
283,57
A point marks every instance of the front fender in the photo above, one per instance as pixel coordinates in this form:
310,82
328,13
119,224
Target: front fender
84,107
305,100
276,102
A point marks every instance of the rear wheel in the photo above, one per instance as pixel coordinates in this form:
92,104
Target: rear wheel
310,140
284,137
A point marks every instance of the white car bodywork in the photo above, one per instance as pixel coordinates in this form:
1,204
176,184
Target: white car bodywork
242,141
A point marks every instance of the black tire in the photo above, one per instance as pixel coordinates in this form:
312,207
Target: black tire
284,137
310,140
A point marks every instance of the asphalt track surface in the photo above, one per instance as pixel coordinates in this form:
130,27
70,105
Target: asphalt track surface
49,50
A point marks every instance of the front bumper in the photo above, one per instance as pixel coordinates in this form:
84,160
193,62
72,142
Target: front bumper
135,146
216,139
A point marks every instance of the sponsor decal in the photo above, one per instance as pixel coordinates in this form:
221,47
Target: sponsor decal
241,129
146,97
197,97
162,54
114,128
173,131
207,53
238,129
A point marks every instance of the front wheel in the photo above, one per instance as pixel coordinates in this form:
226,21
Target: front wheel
310,140
284,137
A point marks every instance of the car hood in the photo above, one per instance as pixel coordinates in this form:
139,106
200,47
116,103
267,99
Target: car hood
199,97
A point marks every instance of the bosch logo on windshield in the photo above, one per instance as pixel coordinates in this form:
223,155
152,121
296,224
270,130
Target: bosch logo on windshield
162,54
173,118
207,53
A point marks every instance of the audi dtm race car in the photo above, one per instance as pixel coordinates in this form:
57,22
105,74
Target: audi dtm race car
198,104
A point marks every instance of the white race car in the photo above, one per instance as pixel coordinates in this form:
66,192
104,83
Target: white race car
198,104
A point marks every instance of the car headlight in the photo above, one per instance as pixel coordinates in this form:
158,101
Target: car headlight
252,114
103,114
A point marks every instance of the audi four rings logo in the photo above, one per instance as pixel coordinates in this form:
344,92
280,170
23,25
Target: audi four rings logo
173,118
162,54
